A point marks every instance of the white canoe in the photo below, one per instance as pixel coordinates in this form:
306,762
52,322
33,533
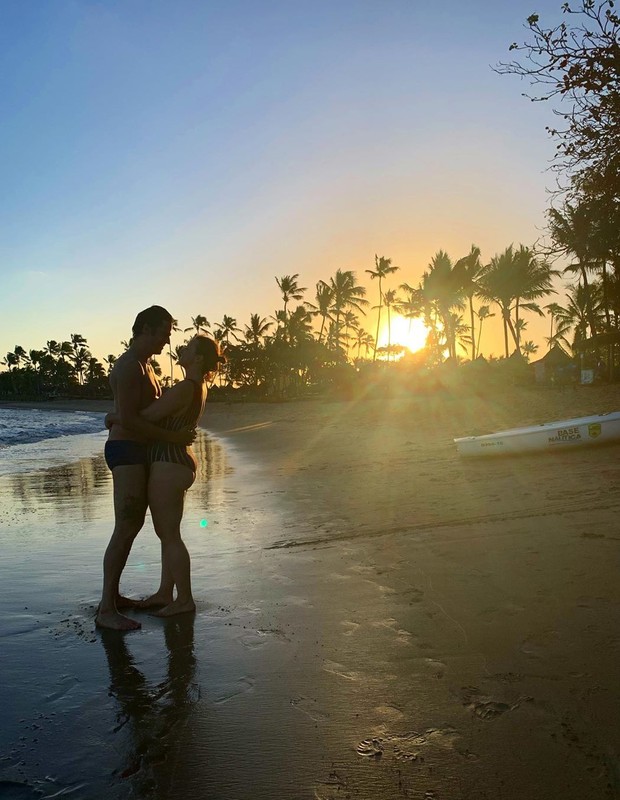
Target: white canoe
548,436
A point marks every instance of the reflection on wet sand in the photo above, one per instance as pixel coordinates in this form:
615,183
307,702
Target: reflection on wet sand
72,490
62,489
212,463
67,727
151,713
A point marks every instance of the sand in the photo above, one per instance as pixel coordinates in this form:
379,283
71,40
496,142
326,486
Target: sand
377,618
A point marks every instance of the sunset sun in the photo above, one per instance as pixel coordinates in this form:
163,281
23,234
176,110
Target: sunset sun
410,333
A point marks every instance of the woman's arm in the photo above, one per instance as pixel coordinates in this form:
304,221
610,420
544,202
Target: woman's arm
143,421
171,402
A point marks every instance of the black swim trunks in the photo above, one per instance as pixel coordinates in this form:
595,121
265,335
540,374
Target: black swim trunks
125,453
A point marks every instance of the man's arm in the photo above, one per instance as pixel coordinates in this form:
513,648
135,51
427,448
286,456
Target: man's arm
128,393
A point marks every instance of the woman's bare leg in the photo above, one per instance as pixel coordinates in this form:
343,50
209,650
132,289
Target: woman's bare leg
167,486
164,595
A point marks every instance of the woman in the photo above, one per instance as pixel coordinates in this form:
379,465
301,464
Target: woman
172,470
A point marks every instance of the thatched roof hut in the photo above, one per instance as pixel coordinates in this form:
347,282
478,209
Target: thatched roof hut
556,365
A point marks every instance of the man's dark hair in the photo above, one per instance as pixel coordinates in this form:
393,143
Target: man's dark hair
153,317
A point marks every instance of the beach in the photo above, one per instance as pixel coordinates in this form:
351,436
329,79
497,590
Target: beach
377,617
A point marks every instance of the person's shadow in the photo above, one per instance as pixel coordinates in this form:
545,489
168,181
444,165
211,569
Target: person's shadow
151,716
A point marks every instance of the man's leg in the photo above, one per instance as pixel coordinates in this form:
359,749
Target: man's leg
130,500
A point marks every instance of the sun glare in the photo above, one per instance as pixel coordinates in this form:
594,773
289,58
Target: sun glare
410,333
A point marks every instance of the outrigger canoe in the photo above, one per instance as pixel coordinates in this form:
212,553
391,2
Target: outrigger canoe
602,428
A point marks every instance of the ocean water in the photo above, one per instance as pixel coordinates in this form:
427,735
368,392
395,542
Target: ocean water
32,439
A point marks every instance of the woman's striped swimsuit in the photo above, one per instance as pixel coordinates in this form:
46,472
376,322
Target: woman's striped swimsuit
177,453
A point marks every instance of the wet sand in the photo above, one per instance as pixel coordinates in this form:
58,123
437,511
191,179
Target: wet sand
377,618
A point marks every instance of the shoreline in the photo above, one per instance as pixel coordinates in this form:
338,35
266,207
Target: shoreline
77,404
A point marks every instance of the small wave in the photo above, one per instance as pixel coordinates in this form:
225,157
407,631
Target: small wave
25,426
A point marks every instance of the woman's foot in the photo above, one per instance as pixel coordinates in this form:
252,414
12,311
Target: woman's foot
157,600
114,621
175,607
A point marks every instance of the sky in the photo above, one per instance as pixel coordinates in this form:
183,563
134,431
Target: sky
186,153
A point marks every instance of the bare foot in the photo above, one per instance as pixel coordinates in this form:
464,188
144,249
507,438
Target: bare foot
176,608
115,621
157,600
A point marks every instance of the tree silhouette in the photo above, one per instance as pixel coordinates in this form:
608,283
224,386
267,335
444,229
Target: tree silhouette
383,268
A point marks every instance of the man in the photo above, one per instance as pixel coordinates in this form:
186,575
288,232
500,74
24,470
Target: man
135,387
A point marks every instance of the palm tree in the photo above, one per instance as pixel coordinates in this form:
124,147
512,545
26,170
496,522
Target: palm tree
582,302
346,293
228,328
496,284
368,343
442,290
35,357
572,230
462,331
529,348
290,290
532,280
383,268
257,329
81,357
21,355
156,365
299,327
11,361
77,340
360,338
66,349
390,300
174,328
94,370
554,310
412,306
484,312
350,321
254,333
467,270
199,324
109,360
324,300
52,348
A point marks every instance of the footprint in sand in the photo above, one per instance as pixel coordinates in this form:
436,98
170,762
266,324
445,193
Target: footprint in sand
407,747
536,646
309,707
390,713
341,671
332,788
485,707
241,686
370,748
350,626
402,636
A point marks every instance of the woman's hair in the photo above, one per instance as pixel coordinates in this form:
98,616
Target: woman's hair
154,316
210,351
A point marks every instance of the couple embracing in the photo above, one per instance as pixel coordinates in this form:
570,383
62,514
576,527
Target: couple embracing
149,453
